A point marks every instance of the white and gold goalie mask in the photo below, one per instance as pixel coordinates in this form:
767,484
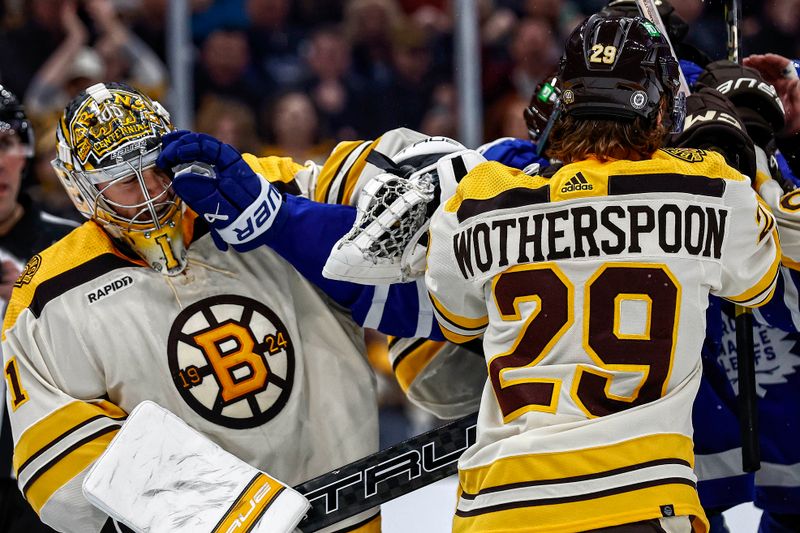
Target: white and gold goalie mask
108,141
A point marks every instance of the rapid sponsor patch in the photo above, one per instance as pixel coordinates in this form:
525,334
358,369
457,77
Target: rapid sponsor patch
112,287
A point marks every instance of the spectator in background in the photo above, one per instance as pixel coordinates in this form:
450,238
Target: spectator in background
43,185
407,97
335,91
226,70
562,16
23,49
229,121
125,57
534,54
778,29
75,65
294,130
274,41
370,25
442,116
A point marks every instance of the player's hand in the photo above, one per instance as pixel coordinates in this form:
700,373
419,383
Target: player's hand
712,123
214,180
758,104
517,153
782,74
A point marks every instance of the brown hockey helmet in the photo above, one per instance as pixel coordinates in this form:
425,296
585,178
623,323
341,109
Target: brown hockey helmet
619,68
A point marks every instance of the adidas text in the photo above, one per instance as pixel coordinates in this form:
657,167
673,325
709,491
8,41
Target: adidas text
577,183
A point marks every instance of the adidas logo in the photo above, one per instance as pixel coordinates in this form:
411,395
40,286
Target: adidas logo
577,183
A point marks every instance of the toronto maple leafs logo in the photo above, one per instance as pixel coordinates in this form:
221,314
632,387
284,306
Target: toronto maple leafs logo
777,354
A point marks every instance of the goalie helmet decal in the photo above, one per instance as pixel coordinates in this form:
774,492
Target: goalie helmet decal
109,135
112,122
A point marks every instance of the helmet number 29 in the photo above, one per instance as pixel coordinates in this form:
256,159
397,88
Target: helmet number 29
603,54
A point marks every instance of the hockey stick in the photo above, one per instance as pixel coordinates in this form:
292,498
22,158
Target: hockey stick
649,11
745,353
731,8
387,474
746,382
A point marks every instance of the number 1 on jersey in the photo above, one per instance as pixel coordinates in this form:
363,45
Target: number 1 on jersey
17,394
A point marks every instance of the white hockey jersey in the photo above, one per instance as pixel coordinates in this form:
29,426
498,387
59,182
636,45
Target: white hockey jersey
240,346
590,289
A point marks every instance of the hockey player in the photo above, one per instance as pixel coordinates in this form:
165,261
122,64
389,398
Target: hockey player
137,304
590,289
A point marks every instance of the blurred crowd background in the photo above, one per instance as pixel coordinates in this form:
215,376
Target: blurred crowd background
294,77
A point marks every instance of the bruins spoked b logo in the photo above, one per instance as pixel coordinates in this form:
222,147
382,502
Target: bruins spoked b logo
232,360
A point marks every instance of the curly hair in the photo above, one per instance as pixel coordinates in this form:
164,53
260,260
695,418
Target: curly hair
576,139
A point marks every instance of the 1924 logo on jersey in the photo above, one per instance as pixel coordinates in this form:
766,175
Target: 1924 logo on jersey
29,271
690,155
232,360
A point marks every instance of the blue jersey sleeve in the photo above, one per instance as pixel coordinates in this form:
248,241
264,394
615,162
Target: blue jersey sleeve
516,153
305,232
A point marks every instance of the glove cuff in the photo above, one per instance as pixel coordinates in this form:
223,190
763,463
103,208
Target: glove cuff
256,220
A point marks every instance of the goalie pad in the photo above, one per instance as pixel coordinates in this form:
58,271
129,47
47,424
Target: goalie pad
160,475
394,212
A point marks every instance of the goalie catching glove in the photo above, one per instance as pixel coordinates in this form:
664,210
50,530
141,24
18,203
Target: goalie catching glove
387,241
160,475
214,180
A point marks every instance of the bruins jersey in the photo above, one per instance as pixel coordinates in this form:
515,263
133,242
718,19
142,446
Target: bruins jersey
590,290
240,346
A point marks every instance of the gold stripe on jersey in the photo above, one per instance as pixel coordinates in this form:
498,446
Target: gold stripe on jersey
250,506
49,430
488,180
277,170
761,178
560,465
86,251
638,501
335,173
69,465
457,328
597,512
413,360
491,186
762,291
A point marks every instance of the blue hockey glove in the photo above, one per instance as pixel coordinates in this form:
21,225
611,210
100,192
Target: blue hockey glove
214,180
516,153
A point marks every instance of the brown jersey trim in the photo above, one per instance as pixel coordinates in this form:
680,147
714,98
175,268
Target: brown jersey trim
572,479
54,287
679,183
516,197
580,497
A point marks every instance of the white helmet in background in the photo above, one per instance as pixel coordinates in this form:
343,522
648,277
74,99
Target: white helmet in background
108,138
